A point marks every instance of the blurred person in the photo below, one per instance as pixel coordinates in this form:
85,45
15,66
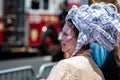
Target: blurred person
83,26
50,44
63,10
105,59
57,54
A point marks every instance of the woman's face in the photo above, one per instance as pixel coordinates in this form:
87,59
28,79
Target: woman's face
67,38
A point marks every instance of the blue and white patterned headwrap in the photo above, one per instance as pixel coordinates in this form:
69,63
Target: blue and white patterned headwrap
99,23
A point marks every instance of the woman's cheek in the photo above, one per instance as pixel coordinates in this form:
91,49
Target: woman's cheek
68,39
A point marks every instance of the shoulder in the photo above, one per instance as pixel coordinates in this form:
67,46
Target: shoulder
78,62
76,59
80,66
76,68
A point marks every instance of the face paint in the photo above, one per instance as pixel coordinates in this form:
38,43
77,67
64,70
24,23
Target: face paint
67,39
67,36
67,33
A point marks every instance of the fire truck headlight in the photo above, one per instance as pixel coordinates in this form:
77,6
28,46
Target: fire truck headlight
44,28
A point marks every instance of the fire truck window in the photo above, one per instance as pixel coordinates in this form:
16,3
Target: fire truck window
35,4
46,4
10,6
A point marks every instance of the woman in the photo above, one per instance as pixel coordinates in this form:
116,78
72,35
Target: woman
89,25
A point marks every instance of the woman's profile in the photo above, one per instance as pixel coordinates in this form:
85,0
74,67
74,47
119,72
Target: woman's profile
83,26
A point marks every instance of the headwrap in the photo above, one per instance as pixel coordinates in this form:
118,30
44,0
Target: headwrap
99,23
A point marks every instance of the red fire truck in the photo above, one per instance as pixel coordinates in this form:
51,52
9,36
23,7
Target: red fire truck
26,24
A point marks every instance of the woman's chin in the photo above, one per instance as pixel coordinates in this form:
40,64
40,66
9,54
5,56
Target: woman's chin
66,51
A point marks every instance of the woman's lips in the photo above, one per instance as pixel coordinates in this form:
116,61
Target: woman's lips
62,44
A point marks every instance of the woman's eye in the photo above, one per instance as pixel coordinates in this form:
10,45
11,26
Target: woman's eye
65,34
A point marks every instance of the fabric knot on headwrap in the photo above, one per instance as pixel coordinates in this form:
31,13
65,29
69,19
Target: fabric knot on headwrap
98,22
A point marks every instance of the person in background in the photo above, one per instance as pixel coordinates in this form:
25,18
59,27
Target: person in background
63,10
105,59
83,26
50,44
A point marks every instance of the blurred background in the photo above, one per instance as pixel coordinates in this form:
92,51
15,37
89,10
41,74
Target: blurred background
29,29
31,26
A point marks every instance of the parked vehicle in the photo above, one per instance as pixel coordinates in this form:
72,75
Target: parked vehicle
28,25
